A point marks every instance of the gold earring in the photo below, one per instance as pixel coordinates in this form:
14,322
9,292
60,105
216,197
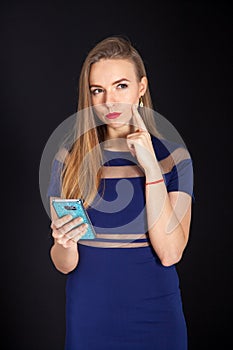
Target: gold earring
141,102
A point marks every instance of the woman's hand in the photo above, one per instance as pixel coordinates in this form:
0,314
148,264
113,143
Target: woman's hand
66,232
140,144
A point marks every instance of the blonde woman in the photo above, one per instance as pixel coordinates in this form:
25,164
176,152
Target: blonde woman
122,288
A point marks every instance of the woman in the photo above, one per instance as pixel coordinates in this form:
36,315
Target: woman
137,189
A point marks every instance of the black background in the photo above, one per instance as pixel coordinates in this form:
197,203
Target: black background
187,49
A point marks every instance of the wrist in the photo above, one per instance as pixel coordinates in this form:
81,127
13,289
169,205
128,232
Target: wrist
161,180
153,175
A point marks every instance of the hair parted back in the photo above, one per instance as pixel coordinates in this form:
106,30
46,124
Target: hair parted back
81,173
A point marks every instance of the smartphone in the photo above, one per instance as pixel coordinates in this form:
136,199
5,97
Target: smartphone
75,208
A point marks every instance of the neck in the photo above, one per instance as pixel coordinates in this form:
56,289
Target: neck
119,133
116,138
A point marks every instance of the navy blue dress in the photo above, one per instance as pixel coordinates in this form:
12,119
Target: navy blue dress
120,296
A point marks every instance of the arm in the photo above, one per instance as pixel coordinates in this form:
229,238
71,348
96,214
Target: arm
64,252
168,214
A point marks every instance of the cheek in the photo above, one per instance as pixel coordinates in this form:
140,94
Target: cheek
100,111
133,97
95,100
126,109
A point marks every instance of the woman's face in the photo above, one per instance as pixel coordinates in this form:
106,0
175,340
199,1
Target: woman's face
114,89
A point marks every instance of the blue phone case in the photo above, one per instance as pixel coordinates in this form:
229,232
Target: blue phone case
75,208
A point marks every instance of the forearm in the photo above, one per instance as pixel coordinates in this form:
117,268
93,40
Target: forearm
165,230
64,259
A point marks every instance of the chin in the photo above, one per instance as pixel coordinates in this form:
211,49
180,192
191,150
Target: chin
116,125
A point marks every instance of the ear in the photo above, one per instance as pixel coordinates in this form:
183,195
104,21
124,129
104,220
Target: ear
143,86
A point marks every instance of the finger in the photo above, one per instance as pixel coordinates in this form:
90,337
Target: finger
56,224
77,233
131,147
69,244
71,225
61,231
137,119
81,234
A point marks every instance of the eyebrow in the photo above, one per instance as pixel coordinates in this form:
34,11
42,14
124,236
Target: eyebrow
115,82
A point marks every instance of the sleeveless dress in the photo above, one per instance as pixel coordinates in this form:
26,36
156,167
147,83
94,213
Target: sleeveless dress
120,296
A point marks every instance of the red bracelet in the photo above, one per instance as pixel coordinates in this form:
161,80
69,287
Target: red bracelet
154,182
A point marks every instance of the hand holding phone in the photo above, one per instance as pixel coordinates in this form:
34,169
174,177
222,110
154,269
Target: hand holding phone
75,208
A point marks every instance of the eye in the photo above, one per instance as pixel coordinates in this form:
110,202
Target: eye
122,86
96,91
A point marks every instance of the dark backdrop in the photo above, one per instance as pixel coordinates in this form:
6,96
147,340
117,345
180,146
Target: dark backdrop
187,48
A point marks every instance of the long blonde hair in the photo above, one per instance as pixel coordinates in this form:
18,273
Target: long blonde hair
82,167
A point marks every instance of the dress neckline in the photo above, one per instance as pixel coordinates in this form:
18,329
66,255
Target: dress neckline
115,151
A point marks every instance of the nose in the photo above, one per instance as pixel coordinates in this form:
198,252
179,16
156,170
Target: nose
109,98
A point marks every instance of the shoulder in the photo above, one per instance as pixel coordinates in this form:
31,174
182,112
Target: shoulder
169,153
62,154
175,164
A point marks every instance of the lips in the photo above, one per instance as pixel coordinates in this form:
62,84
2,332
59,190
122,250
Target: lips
113,115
